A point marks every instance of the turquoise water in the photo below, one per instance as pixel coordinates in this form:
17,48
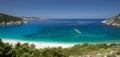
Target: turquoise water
62,31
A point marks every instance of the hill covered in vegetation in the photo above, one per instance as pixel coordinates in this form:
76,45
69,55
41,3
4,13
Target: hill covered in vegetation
114,21
79,50
6,19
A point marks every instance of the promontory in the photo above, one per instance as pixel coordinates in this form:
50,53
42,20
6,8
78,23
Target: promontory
114,21
6,19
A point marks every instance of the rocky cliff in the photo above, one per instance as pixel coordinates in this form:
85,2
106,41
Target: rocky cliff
114,21
6,19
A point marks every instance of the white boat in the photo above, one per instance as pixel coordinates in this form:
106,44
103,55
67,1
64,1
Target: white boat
76,30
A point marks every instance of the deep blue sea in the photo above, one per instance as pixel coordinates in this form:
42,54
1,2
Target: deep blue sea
62,31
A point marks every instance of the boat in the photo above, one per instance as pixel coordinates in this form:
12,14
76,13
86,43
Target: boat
76,30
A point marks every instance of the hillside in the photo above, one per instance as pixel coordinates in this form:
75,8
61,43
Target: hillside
114,21
6,19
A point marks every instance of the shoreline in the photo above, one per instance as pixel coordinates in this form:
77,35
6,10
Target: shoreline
38,44
48,44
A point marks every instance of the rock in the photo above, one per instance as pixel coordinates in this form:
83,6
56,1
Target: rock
114,21
6,19
13,23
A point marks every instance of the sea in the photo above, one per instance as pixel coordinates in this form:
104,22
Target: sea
62,31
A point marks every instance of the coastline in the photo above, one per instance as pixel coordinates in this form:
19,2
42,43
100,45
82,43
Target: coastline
3,23
49,44
38,44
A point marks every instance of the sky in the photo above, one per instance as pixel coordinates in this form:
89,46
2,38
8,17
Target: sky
58,9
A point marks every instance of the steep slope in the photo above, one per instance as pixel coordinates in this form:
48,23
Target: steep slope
6,19
114,21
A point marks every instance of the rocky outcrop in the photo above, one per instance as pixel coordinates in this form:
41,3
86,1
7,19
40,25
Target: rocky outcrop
13,22
6,19
114,21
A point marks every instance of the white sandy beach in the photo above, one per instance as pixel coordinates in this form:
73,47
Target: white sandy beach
38,44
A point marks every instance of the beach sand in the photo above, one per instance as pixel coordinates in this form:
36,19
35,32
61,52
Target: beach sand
38,44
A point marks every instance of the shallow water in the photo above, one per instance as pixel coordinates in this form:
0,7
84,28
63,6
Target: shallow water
62,30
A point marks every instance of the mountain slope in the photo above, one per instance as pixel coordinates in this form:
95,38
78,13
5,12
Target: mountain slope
114,21
6,19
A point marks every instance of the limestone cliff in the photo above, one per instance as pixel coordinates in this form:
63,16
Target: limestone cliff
114,21
6,19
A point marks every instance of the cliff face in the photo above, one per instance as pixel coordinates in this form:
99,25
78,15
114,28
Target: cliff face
10,20
114,21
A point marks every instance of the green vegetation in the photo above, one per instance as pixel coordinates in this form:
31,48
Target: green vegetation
116,19
8,18
26,50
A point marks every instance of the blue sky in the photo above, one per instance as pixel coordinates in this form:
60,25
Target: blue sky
61,8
